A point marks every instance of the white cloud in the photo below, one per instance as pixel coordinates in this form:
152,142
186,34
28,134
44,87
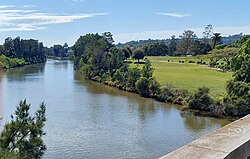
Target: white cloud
175,14
6,6
163,34
30,20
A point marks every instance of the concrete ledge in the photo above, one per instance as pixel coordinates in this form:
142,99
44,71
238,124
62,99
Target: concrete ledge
229,142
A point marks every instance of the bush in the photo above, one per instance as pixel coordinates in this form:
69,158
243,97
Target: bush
172,95
142,86
238,98
200,100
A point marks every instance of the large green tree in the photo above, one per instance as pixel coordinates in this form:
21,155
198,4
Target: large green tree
238,89
138,54
172,45
187,41
23,135
156,49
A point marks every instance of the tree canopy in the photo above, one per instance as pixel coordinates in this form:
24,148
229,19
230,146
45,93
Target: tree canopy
22,137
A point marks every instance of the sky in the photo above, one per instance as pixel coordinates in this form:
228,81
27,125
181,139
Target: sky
59,21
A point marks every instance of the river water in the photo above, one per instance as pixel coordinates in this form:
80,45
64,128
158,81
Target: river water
87,120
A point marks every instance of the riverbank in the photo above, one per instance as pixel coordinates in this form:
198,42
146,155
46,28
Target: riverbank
168,94
58,58
7,63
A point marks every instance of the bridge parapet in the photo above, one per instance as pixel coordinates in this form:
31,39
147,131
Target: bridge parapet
229,142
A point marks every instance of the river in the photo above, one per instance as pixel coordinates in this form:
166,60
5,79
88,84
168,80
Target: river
87,120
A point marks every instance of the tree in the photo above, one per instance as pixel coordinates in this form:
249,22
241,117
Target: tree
216,39
238,89
109,38
199,48
9,47
207,34
172,45
187,40
132,76
24,133
127,52
225,54
142,86
154,87
138,54
156,49
147,69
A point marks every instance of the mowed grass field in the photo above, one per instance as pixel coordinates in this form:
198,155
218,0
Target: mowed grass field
189,76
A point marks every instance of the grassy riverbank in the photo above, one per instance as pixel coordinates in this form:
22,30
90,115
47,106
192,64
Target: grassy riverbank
189,76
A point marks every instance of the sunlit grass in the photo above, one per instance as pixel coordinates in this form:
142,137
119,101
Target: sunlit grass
189,76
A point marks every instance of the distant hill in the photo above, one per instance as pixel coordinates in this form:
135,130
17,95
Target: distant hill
225,40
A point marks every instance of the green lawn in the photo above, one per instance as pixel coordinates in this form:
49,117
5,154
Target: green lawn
189,76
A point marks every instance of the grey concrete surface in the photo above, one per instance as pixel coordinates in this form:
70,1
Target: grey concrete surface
229,142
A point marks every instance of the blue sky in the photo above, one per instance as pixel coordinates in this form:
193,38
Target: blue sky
59,21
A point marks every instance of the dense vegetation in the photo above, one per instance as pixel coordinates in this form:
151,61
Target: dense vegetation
225,40
101,61
238,89
22,137
18,52
60,51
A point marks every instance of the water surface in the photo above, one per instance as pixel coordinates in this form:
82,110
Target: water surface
87,120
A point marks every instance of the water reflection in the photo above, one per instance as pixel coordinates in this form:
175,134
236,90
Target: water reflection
198,124
25,73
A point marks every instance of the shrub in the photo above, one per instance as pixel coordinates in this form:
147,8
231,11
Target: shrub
200,100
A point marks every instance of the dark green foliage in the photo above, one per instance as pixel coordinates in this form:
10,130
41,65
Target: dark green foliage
127,52
142,86
132,76
60,51
173,95
30,50
241,63
23,135
216,39
187,42
238,43
200,100
156,49
172,46
138,54
238,89
238,98
147,69
199,48
7,155
154,87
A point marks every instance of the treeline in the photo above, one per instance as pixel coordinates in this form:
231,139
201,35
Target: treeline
186,44
97,57
222,55
58,50
19,52
225,40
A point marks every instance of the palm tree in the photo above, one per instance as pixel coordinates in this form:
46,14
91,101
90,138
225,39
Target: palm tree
216,39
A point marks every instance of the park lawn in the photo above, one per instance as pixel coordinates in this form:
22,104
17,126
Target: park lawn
189,76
